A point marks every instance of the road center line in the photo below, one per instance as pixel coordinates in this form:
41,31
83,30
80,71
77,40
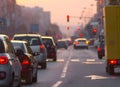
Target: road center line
66,67
57,84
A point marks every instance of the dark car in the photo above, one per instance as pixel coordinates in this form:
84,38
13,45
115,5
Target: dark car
28,61
62,44
10,67
101,50
51,47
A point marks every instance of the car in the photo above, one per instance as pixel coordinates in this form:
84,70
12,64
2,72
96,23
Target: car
36,45
62,44
51,47
101,50
10,67
80,43
28,61
96,43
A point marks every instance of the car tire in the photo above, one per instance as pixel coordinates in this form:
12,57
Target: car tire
55,59
35,78
100,56
29,79
11,82
44,65
110,70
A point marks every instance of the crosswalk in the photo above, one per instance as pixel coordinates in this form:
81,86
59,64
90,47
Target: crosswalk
86,61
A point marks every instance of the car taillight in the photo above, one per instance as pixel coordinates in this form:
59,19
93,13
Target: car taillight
113,62
75,43
3,60
26,61
86,42
99,49
42,48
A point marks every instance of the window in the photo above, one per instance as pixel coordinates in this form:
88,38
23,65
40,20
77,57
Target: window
2,49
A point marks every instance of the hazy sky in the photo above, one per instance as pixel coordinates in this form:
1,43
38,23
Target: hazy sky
60,8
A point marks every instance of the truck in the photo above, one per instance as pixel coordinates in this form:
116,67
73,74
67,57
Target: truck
112,38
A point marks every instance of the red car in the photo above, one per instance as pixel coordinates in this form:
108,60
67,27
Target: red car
28,61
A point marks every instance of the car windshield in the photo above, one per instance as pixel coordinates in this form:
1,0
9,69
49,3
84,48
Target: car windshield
2,48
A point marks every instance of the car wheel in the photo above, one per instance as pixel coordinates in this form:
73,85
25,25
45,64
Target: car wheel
100,56
11,83
44,65
111,70
35,78
19,84
29,79
55,59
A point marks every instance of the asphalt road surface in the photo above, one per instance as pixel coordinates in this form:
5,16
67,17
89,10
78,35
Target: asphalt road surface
76,68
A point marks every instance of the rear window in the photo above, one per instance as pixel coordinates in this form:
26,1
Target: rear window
2,49
81,40
47,41
61,43
31,40
18,46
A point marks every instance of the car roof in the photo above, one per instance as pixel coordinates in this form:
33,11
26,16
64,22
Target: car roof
2,36
50,37
27,35
19,41
80,39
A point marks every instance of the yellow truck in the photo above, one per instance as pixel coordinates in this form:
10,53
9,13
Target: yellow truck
112,37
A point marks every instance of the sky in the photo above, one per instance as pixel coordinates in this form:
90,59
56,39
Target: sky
61,8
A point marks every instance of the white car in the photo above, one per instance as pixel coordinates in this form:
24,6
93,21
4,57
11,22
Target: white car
10,67
81,43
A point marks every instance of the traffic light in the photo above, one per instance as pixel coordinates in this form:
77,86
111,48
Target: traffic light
81,35
68,18
94,31
68,27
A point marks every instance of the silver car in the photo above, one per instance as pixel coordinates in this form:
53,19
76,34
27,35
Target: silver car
10,67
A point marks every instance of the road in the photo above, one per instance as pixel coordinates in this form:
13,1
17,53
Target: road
76,68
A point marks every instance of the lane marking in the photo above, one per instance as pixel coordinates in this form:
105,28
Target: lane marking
63,75
90,60
97,77
75,60
60,60
57,84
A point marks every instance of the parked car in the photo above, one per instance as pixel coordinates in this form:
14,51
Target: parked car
50,46
80,43
28,61
10,67
36,45
62,44
101,50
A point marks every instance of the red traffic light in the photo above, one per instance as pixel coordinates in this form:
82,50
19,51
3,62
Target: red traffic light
68,28
94,31
81,35
68,18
